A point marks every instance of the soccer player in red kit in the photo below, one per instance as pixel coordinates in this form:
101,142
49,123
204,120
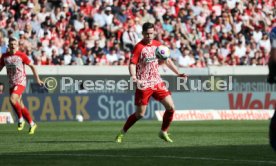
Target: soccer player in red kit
143,70
15,62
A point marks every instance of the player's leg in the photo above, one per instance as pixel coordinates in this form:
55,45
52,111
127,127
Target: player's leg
25,112
28,117
15,95
162,94
167,117
15,102
141,101
139,113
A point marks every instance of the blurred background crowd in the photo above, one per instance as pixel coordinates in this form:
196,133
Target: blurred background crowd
199,33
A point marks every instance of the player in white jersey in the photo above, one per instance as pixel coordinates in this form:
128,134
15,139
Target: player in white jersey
15,61
143,68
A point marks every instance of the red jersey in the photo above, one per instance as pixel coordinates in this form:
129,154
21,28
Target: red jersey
146,63
15,65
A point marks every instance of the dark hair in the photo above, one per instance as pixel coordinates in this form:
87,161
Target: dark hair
147,26
12,39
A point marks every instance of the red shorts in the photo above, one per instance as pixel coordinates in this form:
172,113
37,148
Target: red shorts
17,89
158,92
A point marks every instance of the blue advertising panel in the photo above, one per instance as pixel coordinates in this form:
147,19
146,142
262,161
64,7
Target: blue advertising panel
65,107
118,106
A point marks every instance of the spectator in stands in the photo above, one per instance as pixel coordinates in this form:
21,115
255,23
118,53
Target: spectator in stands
175,52
79,23
67,57
121,15
30,55
3,45
185,60
101,59
55,57
130,38
112,57
96,50
108,16
44,24
98,18
78,58
167,24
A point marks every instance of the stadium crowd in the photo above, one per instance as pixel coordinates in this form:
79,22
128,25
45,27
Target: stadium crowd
200,33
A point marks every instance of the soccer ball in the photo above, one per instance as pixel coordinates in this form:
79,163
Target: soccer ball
79,118
162,52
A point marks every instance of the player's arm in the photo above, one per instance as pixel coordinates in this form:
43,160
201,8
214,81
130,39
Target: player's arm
173,68
133,62
35,74
132,71
27,61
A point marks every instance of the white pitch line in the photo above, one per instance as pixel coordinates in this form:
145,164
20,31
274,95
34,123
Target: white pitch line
132,156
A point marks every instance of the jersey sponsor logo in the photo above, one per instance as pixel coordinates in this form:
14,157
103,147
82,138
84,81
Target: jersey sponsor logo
147,69
147,60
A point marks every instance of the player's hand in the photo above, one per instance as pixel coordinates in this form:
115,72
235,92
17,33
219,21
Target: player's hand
134,78
136,81
40,82
182,75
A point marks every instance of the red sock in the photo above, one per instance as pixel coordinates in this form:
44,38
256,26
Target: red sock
167,119
17,109
130,121
27,115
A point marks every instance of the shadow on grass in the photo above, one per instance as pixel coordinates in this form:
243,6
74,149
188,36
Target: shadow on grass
123,155
68,142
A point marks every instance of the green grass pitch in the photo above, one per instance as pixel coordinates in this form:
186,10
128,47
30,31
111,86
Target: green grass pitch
92,143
